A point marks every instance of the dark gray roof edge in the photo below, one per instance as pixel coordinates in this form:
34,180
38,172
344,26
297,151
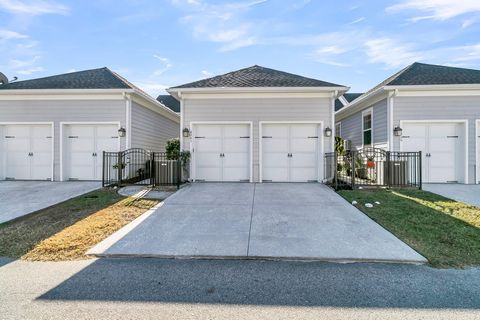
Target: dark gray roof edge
14,84
193,83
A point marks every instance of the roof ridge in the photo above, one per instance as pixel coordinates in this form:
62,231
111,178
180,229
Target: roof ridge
59,74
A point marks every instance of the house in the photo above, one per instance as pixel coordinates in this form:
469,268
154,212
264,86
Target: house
55,128
429,108
257,124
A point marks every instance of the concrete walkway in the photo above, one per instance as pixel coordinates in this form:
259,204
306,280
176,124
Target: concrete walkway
19,198
468,193
277,221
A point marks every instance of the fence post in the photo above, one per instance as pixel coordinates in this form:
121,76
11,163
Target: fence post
103,170
179,172
389,174
119,168
354,158
420,170
152,168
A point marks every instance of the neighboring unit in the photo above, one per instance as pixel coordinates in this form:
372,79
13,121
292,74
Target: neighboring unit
56,128
257,124
429,108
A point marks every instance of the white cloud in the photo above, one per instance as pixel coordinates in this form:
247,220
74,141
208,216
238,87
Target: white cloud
17,64
391,53
221,23
33,7
166,65
9,35
357,20
437,9
29,71
150,87
206,74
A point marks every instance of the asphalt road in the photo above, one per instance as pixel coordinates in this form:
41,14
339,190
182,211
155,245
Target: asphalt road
229,289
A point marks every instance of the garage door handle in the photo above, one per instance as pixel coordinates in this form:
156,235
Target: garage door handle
266,137
30,154
9,137
314,137
72,137
247,137
452,136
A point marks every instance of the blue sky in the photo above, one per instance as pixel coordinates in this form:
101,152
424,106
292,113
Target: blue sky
157,44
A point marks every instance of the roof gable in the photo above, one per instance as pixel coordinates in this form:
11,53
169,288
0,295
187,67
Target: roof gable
169,102
102,78
430,74
257,76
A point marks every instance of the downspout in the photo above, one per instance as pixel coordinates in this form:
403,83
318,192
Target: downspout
182,114
335,93
390,125
128,120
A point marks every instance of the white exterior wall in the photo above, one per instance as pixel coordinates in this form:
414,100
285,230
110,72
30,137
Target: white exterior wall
256,110
57,111
151,130
441,108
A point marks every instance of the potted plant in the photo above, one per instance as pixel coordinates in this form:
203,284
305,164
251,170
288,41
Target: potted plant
370,163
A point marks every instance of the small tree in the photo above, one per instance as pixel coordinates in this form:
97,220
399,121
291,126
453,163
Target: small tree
173,152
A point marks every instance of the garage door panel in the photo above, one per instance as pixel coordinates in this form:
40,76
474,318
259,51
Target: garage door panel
236,145
303,174
298,140
303,130
229,140
441,148
275,174
305,160
275,130
236,131
28,151
208,145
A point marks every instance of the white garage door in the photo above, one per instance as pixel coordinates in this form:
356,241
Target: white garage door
84,146
27,151
290,152
222,152
442,146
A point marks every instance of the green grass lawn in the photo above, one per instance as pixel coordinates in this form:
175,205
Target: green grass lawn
444,231
67,230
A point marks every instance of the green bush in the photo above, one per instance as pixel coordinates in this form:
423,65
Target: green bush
172,149
340,146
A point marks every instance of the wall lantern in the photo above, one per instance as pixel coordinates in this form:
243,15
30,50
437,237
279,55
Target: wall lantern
122,132
397,131
328,132
186,133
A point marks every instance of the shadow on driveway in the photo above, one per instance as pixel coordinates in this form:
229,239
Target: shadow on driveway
271,283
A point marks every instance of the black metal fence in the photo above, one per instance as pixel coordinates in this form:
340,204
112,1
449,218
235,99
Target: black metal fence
373,167
140,167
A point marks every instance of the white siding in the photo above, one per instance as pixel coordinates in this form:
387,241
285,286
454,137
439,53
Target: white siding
63,111
150,130
352,125
259,109
440,108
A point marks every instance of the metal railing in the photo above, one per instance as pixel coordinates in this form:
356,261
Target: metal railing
140,167
373,167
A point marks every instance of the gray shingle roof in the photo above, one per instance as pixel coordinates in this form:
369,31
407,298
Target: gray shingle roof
169,102
349,97
430,74
257,76
102,78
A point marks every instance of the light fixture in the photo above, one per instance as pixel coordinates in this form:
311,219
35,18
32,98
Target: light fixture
328,132
397,131
122,132
186,133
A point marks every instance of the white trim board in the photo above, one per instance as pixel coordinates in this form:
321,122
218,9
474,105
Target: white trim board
52,125
463,121
192,124
62,141
369,110
477,151
320,152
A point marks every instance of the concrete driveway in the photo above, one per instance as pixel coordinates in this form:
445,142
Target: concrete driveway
468,193
19,198
278,221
